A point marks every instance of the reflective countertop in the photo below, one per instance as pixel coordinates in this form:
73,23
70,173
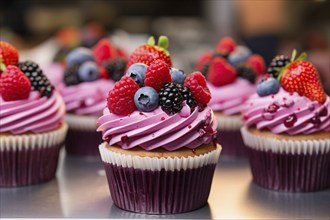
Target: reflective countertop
81,191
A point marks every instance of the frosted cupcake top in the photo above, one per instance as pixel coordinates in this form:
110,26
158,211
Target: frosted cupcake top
157,106
293,103
231,71
88,75
28,101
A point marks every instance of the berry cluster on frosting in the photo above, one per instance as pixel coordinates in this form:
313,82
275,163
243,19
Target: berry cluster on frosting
230,61
19,78
293,75
104,60
151,83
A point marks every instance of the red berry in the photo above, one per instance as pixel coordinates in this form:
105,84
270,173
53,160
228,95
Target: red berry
302,77
316,121
121,96
14,85
221,72
103,51
272,108
203,60
226,45
157,75
197,84
290,120
323,112
257,63
8,55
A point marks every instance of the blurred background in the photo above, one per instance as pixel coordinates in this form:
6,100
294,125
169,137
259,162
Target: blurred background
268,27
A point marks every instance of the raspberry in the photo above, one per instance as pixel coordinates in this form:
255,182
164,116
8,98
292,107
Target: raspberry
170,98
103,51
221,72
14,85
226,45
197,84
257,63
121,96
157,75
38,80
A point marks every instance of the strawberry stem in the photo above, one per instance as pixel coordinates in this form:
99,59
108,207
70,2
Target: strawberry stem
163,42
2,65
302,56
151,41
294,54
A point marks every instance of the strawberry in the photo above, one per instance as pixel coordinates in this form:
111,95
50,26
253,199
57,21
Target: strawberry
157,75
14,85
257,63
197,85
104,51
8,55
149,52
203,60
226,45
302,77
221,72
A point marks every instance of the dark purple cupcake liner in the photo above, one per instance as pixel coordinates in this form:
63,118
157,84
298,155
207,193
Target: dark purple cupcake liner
27,166
83,142
232,143
290,172
159,192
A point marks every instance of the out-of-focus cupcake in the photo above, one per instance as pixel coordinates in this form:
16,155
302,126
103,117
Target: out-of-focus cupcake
88,76
287,128
32,128
159,152
231,72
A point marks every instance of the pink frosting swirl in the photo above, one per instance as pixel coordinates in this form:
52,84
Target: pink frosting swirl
34,114
88,98
156,129
230,98
293,114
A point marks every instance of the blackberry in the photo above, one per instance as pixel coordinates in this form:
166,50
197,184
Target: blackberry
246,73
39,82
71,76
115,68
170,98
187,96
277,62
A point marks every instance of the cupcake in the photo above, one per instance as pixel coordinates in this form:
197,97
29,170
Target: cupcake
32,129
159,152
231,72
88,76
287,126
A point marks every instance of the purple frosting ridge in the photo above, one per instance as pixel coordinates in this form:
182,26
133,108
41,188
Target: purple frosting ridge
151,130
34,114
229,99
88,98
254,113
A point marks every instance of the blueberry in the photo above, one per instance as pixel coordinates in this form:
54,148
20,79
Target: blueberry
239,55
268,86
178,76
88,71
146,99
137,72
79,56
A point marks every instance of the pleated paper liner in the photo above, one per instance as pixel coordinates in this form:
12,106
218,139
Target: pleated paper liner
229,135
159,185
82,139
288,165
30,158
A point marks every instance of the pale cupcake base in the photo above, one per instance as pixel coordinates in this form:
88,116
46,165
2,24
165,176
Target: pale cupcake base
299,163
229,135
159,182
29,158
82,139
